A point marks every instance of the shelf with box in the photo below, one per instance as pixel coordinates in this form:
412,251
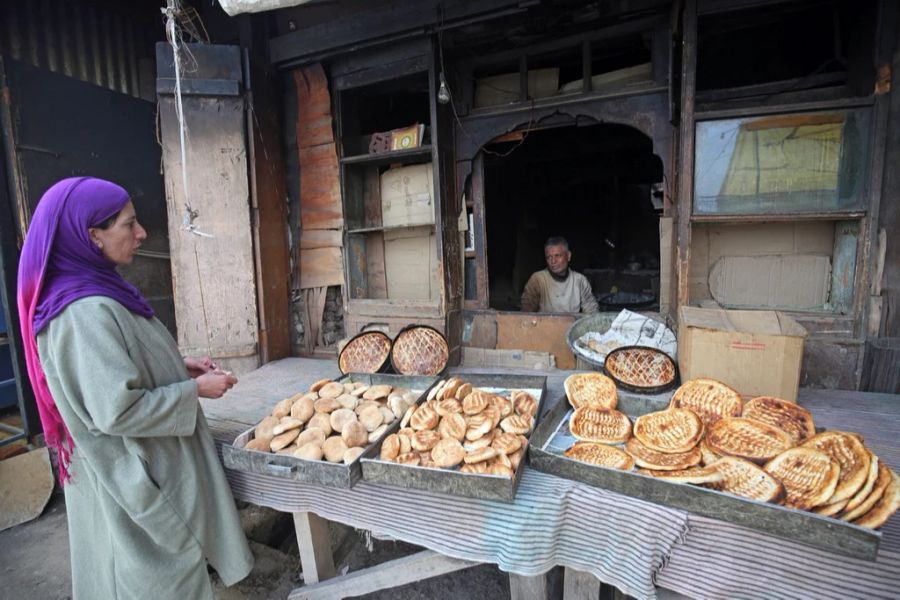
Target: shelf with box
391,193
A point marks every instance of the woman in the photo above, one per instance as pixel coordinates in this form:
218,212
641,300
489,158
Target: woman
147,501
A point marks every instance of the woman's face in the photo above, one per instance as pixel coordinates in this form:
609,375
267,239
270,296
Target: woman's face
119,241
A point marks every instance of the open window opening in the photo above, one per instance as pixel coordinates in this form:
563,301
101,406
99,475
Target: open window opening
599,186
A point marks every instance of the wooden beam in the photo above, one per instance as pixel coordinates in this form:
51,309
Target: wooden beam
391,574
522,587
686,158
580,585
314,542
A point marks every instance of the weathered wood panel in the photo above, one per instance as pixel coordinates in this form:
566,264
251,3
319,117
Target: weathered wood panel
881,366
321,267
213,277
320,238
533,331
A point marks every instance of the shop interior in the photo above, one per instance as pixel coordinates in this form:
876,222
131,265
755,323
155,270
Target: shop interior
598,185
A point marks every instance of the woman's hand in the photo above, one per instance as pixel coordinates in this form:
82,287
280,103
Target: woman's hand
214,384
198,365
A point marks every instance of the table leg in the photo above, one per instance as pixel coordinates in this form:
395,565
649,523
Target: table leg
527,588
314,543
580,585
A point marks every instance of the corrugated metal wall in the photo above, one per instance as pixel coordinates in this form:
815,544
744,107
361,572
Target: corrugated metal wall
89,42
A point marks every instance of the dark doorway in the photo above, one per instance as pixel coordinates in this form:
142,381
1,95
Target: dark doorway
599,186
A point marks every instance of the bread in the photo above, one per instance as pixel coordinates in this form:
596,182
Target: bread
266,427
746,438
341,417
303,409
787,416
354,434
640,367
480,455
852,457
591,389
376,392
326,405
601,455
524,403
334,449
390,447
283,408
477,426
881,484
808,475
889,503
661,461
453,426
695,475
502,404
425,440
448,453
743,478
321,421
348,401
830,510
462,391
602,425
309,451
475,402
516,424
409,458
449,391
331,390
480,468
258,444
352,454
419,350
500,471
493,414
866,489
366,353
284,440
708,457
506,443
398,406
435,390
674,430
310,435
359,390
379,431
319,385
710,399
372,417
424,418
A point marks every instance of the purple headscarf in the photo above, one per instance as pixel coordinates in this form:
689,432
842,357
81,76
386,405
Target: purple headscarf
59,265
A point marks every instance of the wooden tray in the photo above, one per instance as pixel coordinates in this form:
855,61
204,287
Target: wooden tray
319,472
450,481
831,535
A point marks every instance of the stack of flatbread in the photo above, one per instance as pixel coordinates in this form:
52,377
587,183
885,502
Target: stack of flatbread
766,449
333,421
464,427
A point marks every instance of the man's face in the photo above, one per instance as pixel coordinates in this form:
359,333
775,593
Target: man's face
557,258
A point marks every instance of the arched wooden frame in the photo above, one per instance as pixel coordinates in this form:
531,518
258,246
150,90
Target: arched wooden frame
647,113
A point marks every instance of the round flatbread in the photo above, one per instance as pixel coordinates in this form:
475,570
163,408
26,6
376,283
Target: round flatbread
745,438
710,399
601,455
852,457
661,461
602,425
787,416
745,479
809,476
673,430
591,389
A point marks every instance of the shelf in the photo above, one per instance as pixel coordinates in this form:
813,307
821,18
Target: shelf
391,228
414,155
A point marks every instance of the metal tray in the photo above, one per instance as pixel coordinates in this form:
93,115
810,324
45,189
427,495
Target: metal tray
831,535
319,472
449,481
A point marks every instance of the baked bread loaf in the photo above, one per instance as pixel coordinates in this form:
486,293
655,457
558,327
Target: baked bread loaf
743,478
591,389
640,367
419,351
601,425
673,430
808,475
866,489
852,457
661,461
745,438
601,455
696,475
368,352
710,399
787,416
886,506
881,483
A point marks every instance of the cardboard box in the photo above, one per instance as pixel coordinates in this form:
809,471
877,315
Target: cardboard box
407,196
757,352
409,263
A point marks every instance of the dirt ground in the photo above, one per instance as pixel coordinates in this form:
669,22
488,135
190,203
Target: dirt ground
35,562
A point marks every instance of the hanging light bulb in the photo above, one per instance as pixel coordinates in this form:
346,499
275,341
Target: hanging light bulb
443,94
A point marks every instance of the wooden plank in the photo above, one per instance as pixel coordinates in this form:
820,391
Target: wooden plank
546,333
321,267
522,587
881,366
391,574
684,201
377,278
372,197
580,585
314,543
320,238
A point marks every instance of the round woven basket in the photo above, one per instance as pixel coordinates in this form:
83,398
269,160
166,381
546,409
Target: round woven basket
419,350
366,352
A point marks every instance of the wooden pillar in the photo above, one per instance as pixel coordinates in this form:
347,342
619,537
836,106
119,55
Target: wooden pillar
314,543
686,153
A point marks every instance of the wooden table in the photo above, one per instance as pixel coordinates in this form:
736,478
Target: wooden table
704,558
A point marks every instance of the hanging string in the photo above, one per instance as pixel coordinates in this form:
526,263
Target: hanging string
172,11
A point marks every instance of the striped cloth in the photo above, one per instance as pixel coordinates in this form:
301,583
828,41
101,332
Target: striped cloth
622,541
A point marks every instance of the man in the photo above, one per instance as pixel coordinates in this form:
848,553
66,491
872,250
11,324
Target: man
556,288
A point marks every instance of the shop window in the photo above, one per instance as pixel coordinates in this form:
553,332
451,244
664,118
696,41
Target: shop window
800,163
